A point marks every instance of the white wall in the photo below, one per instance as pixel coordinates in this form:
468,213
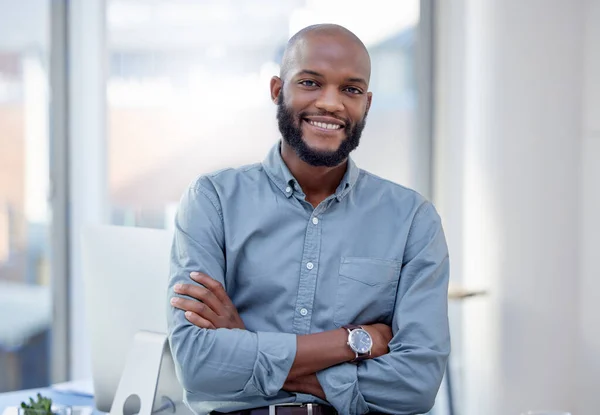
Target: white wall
589,290
508,160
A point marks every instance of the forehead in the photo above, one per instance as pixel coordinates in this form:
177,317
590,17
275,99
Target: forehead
332,56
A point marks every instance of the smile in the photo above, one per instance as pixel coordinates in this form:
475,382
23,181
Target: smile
323,125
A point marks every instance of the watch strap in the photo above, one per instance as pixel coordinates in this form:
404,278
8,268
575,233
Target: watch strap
351,327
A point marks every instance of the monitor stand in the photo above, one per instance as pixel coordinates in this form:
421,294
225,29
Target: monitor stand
149,360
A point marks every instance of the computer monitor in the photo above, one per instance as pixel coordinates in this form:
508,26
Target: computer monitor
126,272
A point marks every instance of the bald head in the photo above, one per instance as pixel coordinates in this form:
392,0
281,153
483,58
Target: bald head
319,33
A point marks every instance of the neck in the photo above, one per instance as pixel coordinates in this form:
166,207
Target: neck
317,182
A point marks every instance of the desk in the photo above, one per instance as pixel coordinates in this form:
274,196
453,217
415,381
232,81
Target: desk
460,293
15,398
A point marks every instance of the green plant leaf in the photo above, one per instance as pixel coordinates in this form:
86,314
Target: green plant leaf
43,406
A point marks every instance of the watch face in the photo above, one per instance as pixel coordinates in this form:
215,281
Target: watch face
360,341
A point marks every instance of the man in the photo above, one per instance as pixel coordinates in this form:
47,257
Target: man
303,279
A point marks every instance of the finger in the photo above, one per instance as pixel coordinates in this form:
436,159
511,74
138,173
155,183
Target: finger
196,320
201,294
214,286
196,307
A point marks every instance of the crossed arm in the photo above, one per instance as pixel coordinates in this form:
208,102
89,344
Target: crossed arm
211,308
221,361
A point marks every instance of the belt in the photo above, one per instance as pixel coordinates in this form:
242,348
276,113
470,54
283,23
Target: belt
286,409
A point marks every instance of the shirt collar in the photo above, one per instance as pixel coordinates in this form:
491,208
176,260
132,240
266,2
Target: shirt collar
348,181
279,173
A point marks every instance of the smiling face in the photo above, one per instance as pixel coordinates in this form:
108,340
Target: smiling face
323,98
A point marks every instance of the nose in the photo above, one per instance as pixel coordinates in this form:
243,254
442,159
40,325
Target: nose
329,100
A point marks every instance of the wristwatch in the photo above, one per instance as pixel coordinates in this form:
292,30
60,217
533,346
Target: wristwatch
360,342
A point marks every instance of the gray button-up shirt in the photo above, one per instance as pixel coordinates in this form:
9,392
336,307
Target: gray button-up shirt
372,252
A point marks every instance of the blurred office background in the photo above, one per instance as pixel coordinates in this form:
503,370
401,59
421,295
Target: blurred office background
491,108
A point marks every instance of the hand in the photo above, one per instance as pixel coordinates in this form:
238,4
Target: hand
213,308
305,384
381,335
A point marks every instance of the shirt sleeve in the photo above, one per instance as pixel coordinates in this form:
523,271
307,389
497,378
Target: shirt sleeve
221,364
406,380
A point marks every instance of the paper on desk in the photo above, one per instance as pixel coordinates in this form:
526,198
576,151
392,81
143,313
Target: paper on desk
83,387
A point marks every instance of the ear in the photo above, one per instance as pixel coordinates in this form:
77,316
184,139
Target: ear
369,99
276,85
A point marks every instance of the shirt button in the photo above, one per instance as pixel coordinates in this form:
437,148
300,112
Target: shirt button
288,189
315,220
310,265
303,311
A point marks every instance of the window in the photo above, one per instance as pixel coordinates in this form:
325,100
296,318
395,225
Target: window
25,295
188,92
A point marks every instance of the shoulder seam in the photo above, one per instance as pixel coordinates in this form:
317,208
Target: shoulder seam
200,189
424,207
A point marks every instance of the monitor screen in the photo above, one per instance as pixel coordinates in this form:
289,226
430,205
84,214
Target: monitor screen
126,271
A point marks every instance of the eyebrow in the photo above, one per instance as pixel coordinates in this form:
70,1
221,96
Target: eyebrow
314,73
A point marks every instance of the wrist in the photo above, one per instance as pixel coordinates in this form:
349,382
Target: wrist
348,353
318,351
360,342
308,384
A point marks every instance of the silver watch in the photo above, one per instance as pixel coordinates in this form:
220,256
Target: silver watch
360,342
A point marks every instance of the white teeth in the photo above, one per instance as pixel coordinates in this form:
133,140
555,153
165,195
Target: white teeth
325,125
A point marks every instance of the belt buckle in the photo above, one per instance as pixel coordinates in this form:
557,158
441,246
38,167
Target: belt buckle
309,407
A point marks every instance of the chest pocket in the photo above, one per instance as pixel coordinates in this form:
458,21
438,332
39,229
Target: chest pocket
366,290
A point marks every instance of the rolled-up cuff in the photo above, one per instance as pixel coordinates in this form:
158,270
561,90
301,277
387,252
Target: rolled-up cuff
340,384
276,354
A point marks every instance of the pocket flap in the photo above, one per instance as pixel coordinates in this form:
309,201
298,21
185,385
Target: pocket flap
371,271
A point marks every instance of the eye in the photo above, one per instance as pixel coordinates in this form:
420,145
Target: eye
308,83
353,90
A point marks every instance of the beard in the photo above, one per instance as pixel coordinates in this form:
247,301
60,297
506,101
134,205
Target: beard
292,134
